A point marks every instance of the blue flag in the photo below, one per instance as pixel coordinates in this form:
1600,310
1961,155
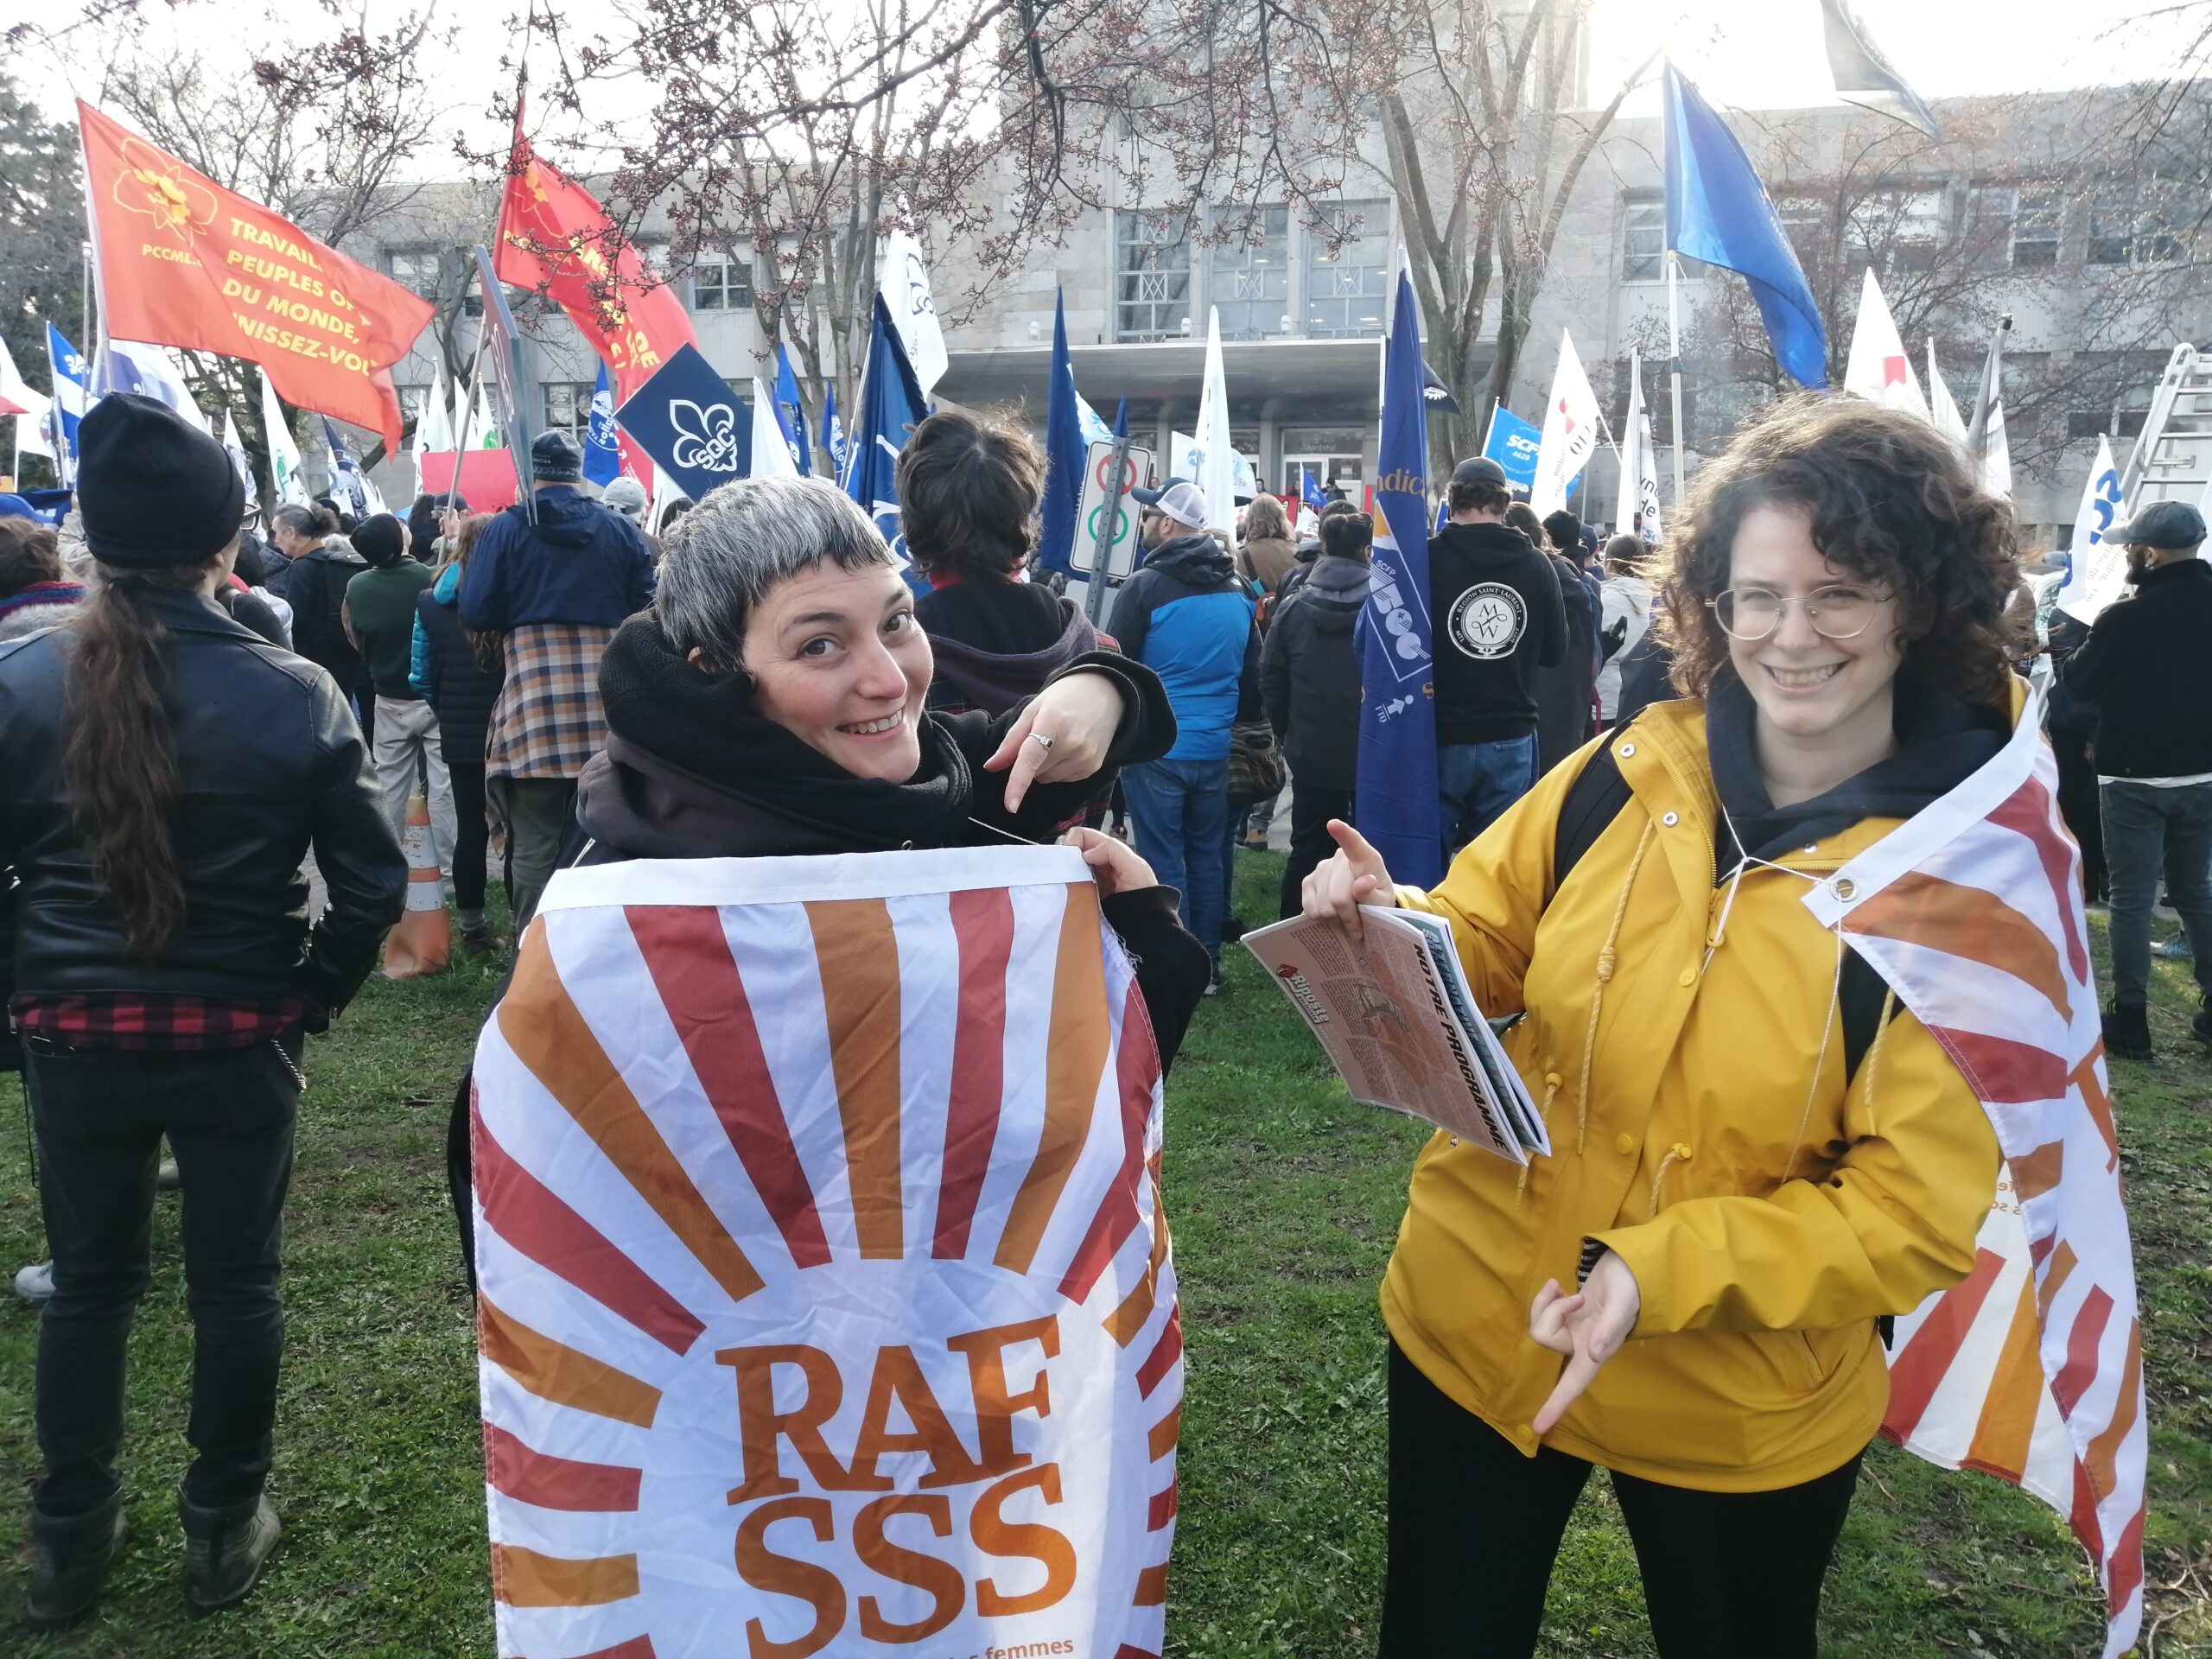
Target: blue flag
1064,452
1513,443
833,433
73,377
790,414
1122,417
1718,211
891,406
602,456
1309,492
688,421
349,485
1395,801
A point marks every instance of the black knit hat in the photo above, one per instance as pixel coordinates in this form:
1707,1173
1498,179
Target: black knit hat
555,458
152,488
378,539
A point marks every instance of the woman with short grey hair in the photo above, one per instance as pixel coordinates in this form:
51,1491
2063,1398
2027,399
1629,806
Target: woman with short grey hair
770,703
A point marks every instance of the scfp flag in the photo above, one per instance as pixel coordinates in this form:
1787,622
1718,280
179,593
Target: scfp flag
181,260
791,413
602,455
825,1294
1513,444
1066,449
1395,798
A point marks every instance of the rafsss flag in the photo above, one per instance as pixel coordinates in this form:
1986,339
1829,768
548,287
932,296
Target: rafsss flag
2030,1369
181,261
825,1302
555,239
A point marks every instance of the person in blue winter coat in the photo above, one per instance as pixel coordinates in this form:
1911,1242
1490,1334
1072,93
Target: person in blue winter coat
556,590
1186,616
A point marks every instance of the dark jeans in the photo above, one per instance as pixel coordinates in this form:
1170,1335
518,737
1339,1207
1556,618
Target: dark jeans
472,833
2083,814
100,1114
2147,828
1311,809
537,811
1476,782
1180,809
1474,1527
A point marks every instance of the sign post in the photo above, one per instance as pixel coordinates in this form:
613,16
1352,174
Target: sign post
1105,550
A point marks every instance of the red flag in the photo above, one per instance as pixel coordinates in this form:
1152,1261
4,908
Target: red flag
554,237
183,262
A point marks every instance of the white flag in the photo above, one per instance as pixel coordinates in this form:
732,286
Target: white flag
1648,481
234,446
1570,431
482,428
771,456
1942,408
1217,474
433,425
286,485
149,371
2097,568
1997,453
1879,369
904,280
17,394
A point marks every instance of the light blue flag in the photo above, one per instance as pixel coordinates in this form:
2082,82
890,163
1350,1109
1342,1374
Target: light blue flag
1513,444
790,414
1064,452
1395,805
833,433
602,455
891,406
1718,211
1309,492
73,377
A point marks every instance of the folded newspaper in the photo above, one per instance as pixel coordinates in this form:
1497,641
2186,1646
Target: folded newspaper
1402,1027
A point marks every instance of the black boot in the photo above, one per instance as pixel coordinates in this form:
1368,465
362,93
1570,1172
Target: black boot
69,1558
225,1548
2127,1031
2201,1026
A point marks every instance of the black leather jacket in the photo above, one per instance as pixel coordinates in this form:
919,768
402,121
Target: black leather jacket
270,760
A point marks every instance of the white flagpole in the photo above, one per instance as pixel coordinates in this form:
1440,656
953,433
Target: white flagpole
1675,365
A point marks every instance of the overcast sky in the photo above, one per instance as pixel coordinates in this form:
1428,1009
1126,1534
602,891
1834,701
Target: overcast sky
1751,53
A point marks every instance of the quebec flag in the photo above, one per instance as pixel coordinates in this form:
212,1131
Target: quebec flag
73,377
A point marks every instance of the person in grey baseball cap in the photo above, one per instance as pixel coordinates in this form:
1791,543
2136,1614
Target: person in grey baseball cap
2147,665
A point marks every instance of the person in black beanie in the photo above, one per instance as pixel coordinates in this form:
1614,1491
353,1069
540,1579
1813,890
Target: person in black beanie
161,761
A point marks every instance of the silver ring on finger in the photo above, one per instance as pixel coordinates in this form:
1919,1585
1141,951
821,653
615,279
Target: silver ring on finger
1039,737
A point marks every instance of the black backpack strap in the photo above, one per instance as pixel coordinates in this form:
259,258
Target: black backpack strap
1862,993
1593,800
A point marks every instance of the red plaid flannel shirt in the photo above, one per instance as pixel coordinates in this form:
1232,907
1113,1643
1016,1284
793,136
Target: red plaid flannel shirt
154,1020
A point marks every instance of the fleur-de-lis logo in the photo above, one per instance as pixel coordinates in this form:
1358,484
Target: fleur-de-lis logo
705,439
158,187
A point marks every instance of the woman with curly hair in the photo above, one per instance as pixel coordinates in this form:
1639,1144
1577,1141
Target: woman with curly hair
1739,1209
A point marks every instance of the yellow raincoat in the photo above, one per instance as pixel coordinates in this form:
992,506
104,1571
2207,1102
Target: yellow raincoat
1692,1078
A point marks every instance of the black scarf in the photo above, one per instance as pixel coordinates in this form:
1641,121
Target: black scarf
1941,743
692,769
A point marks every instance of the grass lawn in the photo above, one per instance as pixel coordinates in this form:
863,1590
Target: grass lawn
1284,1197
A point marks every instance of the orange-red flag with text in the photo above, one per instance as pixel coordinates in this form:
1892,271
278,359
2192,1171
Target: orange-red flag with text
555,238
183,262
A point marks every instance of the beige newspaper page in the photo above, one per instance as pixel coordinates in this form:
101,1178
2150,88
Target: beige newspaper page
1385,1017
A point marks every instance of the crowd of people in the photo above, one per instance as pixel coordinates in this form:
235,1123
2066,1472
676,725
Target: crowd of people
1819,653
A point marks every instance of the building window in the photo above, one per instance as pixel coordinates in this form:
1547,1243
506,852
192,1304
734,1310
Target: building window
1347,265
417,269
1895,232
1643,241
2017,226
721,283
2134,222
1152,276
568,407
411,402
1248,275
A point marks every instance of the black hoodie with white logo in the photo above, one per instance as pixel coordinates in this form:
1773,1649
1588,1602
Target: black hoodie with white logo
1495,606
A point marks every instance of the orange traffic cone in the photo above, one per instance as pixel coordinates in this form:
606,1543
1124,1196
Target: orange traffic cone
422,943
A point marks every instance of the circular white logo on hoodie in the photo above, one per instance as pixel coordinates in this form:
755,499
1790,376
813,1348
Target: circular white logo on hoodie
1488,620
